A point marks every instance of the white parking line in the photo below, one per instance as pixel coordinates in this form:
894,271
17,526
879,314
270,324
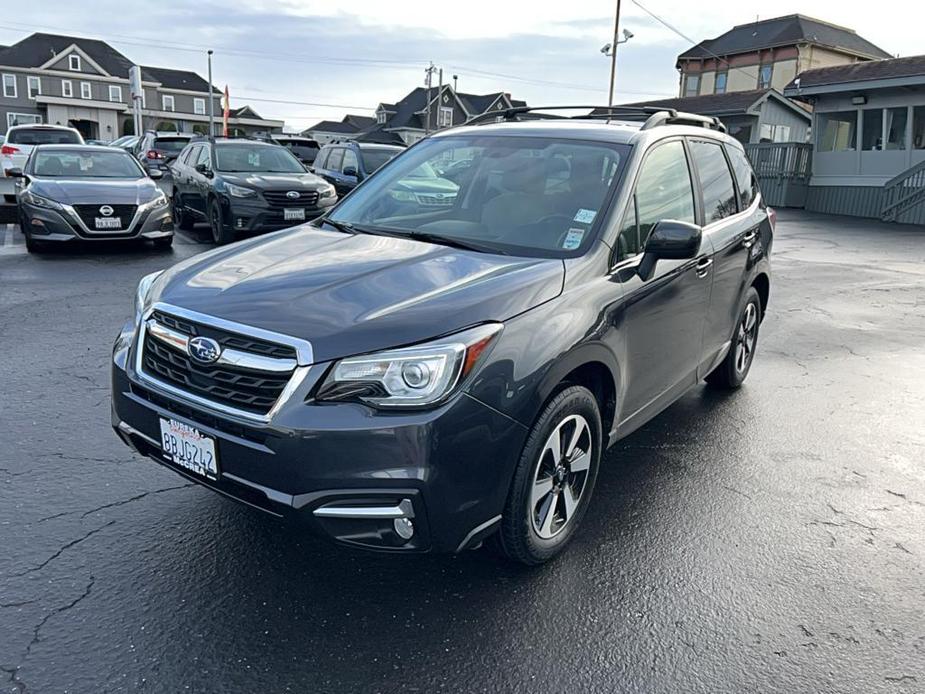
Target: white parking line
8,239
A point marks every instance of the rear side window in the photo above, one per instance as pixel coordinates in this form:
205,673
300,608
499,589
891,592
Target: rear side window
663,191
40,136
334,159
320,160
746,181
719,196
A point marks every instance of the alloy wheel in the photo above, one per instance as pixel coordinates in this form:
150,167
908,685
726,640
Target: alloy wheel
560,476
745,339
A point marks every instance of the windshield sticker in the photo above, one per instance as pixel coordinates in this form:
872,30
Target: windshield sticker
573,239
584,216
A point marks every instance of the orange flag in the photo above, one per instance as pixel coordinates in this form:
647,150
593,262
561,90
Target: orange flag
225,114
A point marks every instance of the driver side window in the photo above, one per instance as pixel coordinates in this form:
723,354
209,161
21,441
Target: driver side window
663,191
204,157
350,161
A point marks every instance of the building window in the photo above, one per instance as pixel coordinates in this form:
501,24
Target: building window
86,90
199,106
884,128
720,86
67,88
895,120
380,117
115,92
9,86
21,119
764,76
872,129
692,85
167,102
837,132
774,133
918,127
34,86
73,62
445,117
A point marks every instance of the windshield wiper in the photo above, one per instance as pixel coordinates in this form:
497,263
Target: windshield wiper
453,242
340,226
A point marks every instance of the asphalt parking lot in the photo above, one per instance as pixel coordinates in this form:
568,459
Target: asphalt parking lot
772,540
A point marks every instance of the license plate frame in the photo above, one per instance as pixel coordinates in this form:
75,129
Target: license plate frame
107,223
294,214
187,447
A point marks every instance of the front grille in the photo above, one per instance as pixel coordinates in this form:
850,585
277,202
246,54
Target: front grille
245,389
89,213
435,200
281,199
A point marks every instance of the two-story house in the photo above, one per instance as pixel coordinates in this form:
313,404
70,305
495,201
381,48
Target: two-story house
84,83
423,110
768,54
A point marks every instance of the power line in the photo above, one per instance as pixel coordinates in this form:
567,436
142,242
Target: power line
691,41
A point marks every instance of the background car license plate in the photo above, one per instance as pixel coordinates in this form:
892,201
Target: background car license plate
293,213
188,447
108,222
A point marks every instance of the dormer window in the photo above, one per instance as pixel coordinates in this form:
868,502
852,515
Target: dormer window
73,62
380,117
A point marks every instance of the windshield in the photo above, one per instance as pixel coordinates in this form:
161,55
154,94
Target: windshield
40,136
251,158
85,164
171,144
374,158
519,195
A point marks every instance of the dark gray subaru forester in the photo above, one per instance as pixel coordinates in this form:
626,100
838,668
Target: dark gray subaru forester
408,374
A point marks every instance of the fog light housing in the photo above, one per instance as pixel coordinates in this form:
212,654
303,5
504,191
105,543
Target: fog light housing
404,528
239,223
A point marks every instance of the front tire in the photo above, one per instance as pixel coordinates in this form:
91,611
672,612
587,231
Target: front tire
220,234
181,217
554,478
732,371
163,243
33,246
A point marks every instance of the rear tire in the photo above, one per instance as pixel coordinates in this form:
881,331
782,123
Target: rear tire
181,217
220,234
732,371
553,480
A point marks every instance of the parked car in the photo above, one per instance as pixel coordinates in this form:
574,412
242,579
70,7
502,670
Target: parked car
245,185
89,193
156,150
346,164
434,379
126,142
305,149
20,139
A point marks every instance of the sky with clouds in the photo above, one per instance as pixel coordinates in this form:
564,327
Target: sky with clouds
305,60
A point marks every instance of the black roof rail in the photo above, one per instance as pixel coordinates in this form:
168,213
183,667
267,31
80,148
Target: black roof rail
654,115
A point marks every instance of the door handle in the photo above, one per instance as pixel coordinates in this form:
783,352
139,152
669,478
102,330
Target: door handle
749,238
703,266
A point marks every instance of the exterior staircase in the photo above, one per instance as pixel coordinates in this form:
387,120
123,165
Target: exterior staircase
903,192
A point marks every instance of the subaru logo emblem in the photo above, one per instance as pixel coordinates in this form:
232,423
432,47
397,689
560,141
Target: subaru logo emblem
106,211
293,194
205,350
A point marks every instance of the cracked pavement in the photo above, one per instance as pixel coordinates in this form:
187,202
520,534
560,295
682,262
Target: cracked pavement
772,540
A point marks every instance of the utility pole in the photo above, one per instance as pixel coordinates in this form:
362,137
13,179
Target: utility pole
455,80
613,53
429,71
212,99
439,98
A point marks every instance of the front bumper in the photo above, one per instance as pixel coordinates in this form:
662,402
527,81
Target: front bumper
344,470
45,224
255,214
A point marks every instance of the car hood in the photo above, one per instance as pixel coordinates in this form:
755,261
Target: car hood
427,185
351,294
274,181
75,191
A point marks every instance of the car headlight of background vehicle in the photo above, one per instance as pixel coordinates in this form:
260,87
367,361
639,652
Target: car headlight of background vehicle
326,192
39,201
239,191
403,195
412,376
143,294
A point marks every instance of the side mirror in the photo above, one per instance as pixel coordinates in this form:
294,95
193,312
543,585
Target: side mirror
204,170
350,171
156,173
669,240
15,172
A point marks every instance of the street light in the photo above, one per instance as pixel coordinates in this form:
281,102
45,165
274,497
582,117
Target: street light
610,49
627,35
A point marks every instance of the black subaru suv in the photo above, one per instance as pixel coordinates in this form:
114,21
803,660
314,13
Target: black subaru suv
434,378
244,185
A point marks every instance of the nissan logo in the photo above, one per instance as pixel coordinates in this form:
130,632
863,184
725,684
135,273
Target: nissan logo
106,211
205,350
293,194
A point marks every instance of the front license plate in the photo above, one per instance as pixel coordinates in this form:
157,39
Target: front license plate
108,222
188,447
293,214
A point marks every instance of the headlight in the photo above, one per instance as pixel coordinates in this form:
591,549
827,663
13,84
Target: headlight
239,191
159,201
143,293
39,201
326,192
412,376
403,196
